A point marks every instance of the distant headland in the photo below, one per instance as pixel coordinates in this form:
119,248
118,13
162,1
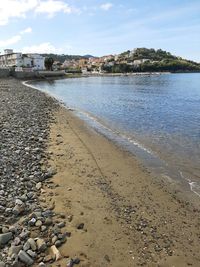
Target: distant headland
136,60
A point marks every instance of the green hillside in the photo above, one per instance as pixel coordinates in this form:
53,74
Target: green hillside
63,57
155,61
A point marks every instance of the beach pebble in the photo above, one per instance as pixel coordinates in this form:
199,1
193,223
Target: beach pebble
61,224
80,226
32,243
70,263
38,186
14,250
38,223
31,253
56,252
24,257
41,245
42,264
5,238
76,261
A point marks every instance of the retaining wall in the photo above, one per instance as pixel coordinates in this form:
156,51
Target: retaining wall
4,73
25,75
51,73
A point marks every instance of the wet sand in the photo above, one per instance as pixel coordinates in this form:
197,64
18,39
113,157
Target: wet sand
130,217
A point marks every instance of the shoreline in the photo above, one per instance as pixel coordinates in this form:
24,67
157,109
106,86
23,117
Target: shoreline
81,75
171,176
102,179
115,212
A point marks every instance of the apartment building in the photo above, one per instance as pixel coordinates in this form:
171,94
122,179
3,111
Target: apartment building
12,59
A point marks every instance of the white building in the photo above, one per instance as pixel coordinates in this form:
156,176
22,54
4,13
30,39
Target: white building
138,62
11,59
84,70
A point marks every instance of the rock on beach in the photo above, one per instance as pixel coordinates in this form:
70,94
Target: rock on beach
24,131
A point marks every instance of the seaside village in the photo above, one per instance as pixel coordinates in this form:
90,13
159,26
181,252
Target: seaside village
31,62
21,62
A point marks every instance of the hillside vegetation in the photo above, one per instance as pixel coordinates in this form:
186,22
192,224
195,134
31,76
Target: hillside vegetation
156,60
137,60
63,57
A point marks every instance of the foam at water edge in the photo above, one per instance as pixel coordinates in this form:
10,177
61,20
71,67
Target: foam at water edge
26,83
123,136
193,185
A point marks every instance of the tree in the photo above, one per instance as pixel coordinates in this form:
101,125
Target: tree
48,62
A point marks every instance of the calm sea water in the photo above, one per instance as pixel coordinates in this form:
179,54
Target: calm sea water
157,117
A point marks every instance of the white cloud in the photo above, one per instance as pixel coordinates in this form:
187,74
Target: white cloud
13,40
15,9
51,7
27,30
10,9
106,6
46,47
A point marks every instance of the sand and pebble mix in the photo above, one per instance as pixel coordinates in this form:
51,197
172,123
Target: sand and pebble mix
29,233
69,197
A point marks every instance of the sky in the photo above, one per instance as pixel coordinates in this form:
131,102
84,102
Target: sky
100,27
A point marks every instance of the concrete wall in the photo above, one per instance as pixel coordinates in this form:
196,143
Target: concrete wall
51,73
25,75
4,73
30,75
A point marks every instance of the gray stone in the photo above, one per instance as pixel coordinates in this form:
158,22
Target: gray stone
70,263
61,224
58,243
25,258
17,241
26,246
38,223
32,243
50,172
14,250
33,254
24,234
76,261
80,226
30,195
18,202
37,214
43,228
48,221
54,239
42,264
38,186
5,238
18,209
5,230
32,222
41,245
2,209
2,264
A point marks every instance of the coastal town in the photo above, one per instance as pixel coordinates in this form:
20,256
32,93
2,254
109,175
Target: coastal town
99,133
131,61
31,62
99,64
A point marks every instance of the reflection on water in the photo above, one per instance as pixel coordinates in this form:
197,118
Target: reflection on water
160,112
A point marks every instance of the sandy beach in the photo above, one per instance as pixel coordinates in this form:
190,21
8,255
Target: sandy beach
66,187
130,218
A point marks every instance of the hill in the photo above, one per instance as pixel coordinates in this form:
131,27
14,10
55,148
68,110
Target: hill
63,57
137,60
156,60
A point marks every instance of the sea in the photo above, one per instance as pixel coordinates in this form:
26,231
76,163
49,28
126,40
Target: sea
155,117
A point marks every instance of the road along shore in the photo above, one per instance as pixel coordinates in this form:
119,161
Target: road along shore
70,197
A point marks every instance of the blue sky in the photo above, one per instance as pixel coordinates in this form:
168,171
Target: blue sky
100,27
